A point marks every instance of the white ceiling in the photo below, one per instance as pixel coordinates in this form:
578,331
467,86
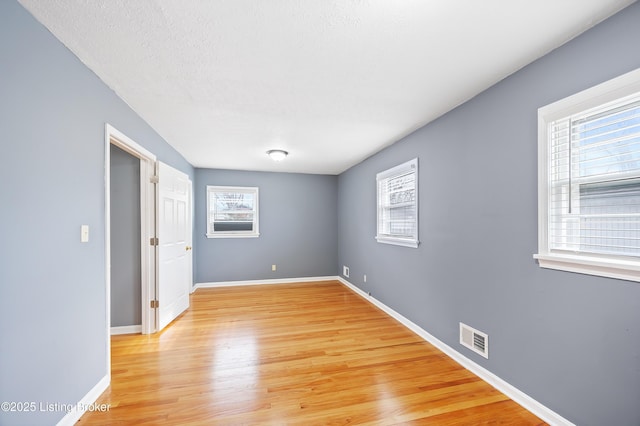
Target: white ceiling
332,82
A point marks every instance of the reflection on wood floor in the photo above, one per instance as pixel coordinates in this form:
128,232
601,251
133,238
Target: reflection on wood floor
292,354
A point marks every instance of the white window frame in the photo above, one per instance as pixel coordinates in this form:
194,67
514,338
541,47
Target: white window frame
382,178
621,267
254,233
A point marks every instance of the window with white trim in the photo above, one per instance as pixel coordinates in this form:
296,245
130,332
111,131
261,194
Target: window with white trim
398,205
589,182
232,212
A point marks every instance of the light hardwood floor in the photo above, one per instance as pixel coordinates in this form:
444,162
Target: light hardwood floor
292,354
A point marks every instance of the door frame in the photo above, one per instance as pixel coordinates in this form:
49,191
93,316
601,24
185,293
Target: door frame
147,229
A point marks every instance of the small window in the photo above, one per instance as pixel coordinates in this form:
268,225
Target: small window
398,205
589,194
232,212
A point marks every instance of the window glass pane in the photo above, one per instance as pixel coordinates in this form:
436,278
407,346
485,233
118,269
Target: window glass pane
402,221
233,207
610,217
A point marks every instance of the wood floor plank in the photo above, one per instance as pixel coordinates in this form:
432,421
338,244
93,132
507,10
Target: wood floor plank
292,354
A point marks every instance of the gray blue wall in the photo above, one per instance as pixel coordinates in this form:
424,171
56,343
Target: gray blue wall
126,274
570,341
298,228
53,320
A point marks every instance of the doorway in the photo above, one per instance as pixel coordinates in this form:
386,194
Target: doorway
126,257
146,161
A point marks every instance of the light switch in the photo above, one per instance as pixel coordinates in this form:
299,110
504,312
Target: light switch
84,233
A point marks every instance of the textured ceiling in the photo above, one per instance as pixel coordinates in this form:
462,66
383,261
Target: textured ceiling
332,82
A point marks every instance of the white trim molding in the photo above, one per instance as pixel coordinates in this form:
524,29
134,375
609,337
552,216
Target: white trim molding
87,403
126,329
611,268
263,282
509,390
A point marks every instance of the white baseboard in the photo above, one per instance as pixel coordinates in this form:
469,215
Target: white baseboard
512,392
126,329
262,282
86,404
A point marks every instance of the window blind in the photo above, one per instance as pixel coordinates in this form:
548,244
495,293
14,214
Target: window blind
594,194
397,205
398,195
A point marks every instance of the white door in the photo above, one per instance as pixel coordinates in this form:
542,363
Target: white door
174,236
190,239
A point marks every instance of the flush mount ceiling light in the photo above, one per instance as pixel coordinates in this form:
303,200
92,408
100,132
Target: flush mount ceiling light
277,154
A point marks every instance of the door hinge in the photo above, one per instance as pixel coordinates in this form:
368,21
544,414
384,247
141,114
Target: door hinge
155,304
153,241
154,179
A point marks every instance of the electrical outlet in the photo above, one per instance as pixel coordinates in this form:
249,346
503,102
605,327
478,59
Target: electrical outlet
345,271
274,267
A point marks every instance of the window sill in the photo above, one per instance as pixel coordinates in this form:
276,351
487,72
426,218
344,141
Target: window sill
591,265
398,242
233,235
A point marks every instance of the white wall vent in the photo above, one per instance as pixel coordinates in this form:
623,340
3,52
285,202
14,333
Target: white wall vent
475,340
